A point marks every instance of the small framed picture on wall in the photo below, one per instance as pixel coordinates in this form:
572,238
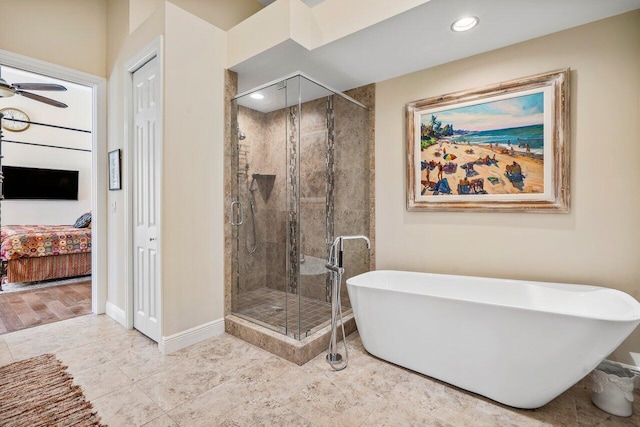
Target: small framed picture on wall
114,170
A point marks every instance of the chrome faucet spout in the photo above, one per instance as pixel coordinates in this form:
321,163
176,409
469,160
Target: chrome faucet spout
355,237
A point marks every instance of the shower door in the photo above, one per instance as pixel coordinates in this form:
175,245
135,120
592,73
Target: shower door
259,211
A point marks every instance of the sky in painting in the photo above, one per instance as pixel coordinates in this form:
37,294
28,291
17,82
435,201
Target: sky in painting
515,112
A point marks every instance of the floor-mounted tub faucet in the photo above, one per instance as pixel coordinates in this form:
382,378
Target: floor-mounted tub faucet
334,264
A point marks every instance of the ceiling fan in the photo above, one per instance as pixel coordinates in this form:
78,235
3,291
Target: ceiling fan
7,90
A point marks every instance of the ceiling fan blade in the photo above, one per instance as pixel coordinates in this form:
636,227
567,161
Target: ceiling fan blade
39,86
41,98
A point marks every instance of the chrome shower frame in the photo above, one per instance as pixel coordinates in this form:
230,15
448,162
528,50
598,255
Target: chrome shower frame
283,256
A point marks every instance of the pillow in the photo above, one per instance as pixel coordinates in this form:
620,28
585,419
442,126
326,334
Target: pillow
83,221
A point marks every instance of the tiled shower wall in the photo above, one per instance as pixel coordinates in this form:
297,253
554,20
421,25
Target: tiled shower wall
265,155
349,173
352,185
314,136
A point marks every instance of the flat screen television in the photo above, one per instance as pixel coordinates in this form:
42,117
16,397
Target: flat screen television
39,184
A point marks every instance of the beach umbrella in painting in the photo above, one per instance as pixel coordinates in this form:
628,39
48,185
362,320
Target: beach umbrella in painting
449,157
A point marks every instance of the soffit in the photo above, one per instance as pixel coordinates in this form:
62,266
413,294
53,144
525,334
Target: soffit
419,38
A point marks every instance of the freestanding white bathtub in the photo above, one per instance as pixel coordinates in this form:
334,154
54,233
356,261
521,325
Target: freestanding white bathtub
519,343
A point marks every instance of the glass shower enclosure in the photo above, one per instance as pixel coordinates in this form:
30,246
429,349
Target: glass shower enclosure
300,177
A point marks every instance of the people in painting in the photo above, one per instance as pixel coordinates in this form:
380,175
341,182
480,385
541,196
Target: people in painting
440,166
464,186
514,168
488,160
528,148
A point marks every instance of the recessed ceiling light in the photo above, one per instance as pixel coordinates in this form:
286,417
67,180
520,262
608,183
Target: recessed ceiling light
257,96
464,24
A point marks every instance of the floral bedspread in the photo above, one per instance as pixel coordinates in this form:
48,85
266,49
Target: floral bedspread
22,241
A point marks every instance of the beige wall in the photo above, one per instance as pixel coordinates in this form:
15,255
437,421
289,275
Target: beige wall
192,240
245,42
140,10
224,14
71,33
192,211
598,243
122,46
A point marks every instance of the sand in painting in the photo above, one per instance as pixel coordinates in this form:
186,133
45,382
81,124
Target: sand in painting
507,133
532,166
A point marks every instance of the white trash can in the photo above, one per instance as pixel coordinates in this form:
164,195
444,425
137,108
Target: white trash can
612,389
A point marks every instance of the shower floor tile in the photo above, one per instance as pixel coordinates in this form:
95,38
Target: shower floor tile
279,310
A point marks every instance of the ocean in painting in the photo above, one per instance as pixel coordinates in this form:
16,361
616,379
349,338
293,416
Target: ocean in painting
516,137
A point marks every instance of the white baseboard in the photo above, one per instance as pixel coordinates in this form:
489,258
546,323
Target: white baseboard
192,336
116,313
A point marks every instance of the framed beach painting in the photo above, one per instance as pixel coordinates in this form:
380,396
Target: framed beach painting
503,147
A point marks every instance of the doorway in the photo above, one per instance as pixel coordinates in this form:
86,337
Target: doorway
97,154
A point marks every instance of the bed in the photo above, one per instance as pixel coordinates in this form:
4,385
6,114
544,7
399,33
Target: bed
43,252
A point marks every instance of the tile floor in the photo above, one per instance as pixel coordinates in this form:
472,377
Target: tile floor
267,306
227,382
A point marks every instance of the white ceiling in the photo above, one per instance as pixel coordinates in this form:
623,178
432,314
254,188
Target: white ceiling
69,97
421,38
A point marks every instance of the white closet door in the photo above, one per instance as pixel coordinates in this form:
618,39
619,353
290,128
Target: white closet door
146,179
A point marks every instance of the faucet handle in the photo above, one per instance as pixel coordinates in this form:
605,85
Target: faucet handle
334,268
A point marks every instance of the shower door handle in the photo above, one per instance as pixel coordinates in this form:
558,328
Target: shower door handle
239,216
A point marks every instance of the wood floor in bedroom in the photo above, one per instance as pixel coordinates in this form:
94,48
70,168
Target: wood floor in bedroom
26,309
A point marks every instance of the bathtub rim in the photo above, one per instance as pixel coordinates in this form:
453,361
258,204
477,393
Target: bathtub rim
634,316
